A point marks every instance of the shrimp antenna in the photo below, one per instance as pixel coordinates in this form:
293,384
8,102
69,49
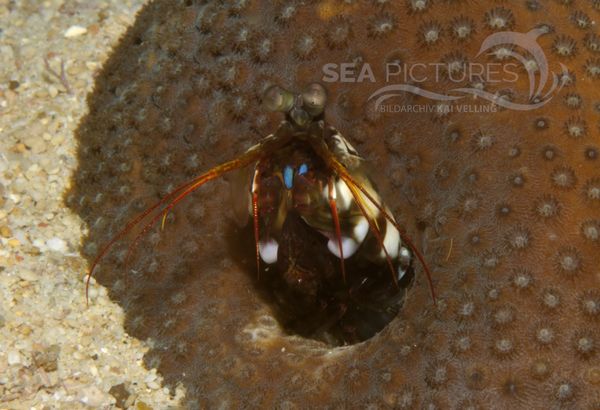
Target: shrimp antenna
351,182
265,147
255,221
373,226
336,224
354,185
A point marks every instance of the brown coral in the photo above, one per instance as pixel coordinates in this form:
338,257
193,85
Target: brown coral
517,321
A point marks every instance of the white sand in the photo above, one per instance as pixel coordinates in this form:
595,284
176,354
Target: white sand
54,351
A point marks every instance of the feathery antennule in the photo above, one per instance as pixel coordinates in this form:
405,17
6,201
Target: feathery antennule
137,238
174,197
336,224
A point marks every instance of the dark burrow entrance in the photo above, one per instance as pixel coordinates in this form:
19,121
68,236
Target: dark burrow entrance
319,304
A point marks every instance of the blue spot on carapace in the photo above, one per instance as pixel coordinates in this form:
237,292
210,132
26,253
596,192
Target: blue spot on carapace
302,169
288,177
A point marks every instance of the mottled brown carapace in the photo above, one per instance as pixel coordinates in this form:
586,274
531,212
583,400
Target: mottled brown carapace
504,205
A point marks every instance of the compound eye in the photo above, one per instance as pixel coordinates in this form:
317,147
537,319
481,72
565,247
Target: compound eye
314,98
278,99
300,117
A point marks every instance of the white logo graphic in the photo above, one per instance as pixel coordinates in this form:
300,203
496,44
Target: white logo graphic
534,63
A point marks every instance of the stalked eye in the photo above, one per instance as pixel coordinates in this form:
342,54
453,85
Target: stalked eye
314,98
300,117
278,99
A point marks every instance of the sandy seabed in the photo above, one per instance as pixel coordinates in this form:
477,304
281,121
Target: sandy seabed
56,352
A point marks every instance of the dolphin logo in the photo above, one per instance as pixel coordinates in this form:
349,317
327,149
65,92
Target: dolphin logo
526,41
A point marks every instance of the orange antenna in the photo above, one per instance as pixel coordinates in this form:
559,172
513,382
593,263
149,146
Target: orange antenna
374,228
170,200
255,188
347,178
343,173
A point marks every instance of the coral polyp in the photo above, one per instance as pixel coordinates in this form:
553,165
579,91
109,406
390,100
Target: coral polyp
504,202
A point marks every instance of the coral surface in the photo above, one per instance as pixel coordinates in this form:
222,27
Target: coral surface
504,205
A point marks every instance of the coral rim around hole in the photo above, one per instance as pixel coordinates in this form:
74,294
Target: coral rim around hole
338,314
